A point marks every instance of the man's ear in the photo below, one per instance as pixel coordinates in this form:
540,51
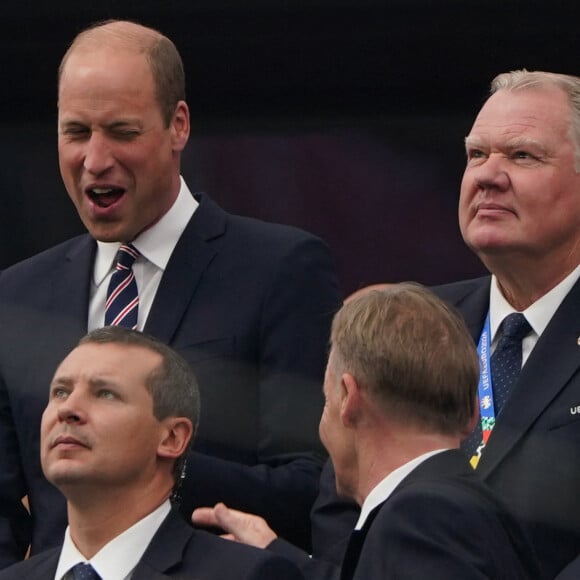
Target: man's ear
176,436
180,126
351,400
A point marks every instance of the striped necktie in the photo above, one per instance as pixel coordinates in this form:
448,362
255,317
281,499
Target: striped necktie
122,304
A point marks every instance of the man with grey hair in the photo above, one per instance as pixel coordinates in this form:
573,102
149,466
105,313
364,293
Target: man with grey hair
121,415
519,211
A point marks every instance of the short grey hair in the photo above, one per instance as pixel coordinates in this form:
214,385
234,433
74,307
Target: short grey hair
523,79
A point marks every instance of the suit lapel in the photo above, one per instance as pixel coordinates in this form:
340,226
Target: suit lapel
191,256
42,565
471,298
539,382
71,283
166,548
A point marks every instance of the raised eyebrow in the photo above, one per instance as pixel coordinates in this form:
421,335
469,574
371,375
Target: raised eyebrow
525,143
98,383
473,142
60,383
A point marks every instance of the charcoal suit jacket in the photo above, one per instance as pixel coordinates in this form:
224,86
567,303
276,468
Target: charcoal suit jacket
441,522
248,304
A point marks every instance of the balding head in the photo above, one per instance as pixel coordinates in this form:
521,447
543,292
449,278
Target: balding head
160,52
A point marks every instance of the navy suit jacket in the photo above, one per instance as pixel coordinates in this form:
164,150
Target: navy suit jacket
440,522
248,304
179,551
532,459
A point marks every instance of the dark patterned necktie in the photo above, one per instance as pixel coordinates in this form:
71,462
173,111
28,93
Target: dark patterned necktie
122,304
84,571
505,365
506,360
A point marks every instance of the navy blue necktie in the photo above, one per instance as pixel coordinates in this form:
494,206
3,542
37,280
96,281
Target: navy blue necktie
506,360
122,305
84,571
505,365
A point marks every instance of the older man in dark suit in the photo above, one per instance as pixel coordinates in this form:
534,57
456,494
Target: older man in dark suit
248,304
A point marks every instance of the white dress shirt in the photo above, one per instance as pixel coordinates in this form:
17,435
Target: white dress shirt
538,314
383,490
117,559
156,245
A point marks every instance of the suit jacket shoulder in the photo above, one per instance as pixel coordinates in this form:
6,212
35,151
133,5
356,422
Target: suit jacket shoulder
39,567
441,523
179,551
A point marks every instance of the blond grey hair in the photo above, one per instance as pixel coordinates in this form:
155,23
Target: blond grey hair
524,79
412,353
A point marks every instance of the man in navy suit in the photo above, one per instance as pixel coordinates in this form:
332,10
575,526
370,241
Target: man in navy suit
519,211
248,304
122,410
400,392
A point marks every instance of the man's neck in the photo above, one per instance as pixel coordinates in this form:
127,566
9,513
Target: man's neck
95,519
381,456
524,284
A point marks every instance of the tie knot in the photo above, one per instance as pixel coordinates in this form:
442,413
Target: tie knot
515,326
84,571
126,255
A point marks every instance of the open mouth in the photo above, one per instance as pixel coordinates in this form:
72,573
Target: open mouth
106,196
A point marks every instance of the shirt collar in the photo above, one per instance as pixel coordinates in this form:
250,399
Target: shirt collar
118,558
383,490
156,243
537,314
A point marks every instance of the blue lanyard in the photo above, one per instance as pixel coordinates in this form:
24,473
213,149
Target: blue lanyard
485,388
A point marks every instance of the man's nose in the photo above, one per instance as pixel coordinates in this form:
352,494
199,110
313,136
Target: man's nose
492,173
98,155
71,410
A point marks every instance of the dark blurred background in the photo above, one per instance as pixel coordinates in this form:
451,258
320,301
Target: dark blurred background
344,117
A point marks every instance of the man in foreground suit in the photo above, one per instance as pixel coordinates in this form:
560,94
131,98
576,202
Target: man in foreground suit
247,304
400,392
122,411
